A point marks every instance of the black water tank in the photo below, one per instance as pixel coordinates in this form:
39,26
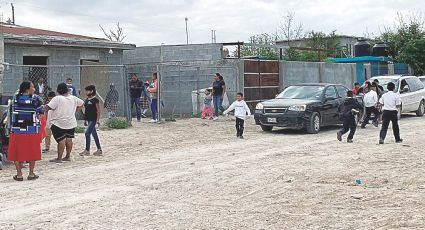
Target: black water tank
380,49
361,48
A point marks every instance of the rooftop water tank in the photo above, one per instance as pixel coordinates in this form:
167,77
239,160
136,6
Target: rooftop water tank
361,48
380,49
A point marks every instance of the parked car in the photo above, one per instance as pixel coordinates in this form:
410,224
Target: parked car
303,106
422,78
411,90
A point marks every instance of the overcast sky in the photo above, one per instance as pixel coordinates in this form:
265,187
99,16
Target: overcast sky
152,22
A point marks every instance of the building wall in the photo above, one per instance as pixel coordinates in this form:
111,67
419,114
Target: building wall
63,62
316,72
152,54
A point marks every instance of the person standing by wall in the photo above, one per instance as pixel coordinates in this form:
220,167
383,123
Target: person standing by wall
219,88
61,116
91,120
153,90
135,94
71,87
25,146
391,104
111,100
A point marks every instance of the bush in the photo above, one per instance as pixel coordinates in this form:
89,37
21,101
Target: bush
80,130
117,123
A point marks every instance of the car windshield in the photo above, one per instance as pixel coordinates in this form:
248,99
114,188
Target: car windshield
422,80
384,82
308,92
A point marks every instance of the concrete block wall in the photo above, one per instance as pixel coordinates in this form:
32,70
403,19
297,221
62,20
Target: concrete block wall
316,72
170,53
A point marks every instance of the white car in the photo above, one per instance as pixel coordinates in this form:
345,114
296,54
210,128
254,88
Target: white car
422,78
411,90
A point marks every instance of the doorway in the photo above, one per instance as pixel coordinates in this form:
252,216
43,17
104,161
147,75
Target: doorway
35,70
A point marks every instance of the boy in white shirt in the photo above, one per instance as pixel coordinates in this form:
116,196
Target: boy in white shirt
391,102
370,100
241,110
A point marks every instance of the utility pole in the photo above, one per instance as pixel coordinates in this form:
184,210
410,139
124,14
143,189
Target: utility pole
13,13
213,37
187,34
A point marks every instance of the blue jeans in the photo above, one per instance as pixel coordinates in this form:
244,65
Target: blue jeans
91,130
218,104
154,108
136,101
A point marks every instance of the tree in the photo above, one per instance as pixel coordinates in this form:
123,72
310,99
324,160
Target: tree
405,30
414,55
291,30
116,34
263,52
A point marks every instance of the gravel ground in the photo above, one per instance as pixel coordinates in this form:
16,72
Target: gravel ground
195,174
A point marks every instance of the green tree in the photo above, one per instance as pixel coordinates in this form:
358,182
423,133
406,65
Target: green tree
414,55
406,29
262,40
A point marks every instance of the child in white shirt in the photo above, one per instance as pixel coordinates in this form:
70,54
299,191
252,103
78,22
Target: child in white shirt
241,111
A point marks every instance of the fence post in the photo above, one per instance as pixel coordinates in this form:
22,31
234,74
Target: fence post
197,90
159,108
126,100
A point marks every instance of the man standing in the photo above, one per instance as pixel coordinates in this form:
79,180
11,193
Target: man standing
135,94
219,88
71,88
60,115
391,102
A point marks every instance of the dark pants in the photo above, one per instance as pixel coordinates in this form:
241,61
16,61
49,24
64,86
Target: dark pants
135,101
369,111
388,116
91,131
218,104
239,127
154,108
349,124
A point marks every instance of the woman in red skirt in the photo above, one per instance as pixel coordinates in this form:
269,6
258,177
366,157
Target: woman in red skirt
26,146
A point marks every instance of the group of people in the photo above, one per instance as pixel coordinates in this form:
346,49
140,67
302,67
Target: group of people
143,95
55,117
376,103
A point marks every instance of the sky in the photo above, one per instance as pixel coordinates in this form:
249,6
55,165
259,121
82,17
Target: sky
153,22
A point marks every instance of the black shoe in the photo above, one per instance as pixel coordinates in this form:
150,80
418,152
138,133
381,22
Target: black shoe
381,142
376,124
363,127
349,141
339,136
144,116
399,141
241,137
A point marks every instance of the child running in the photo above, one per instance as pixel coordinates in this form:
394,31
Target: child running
47,140
241,110
207,109
92,116
351,107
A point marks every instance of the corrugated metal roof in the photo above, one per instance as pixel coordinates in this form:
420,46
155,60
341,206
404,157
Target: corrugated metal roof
22,30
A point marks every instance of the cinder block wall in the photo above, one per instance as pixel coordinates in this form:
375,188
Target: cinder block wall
316,72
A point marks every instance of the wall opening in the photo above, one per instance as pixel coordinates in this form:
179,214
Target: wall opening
35,74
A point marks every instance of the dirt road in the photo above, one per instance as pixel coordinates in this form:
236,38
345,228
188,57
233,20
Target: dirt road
195,174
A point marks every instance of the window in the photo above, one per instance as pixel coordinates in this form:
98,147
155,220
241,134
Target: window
330,92
342,91
404,85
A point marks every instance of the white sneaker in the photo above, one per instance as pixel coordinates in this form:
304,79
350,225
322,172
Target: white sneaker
153,121
215,118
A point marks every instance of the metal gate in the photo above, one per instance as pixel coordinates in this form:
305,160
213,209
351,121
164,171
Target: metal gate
261,81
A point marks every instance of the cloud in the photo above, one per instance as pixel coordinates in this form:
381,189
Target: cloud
152,22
